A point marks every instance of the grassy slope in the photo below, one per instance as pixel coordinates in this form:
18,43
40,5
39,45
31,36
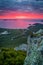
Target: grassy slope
5,40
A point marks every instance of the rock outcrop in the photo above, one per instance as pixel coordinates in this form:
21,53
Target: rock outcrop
35,49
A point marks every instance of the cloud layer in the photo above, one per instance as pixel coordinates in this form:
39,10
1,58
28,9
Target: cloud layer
21,5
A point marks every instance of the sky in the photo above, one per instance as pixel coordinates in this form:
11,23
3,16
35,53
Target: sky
20,9
14,9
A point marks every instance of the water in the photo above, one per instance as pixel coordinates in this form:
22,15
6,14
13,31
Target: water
17,23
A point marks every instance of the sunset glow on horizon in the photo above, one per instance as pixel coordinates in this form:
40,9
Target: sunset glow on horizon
21,15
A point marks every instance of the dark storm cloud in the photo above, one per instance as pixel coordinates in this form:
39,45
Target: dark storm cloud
21,5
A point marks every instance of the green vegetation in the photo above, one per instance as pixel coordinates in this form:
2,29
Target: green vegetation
6,39
9,56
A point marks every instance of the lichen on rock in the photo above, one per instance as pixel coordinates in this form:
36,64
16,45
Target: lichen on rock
35,50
